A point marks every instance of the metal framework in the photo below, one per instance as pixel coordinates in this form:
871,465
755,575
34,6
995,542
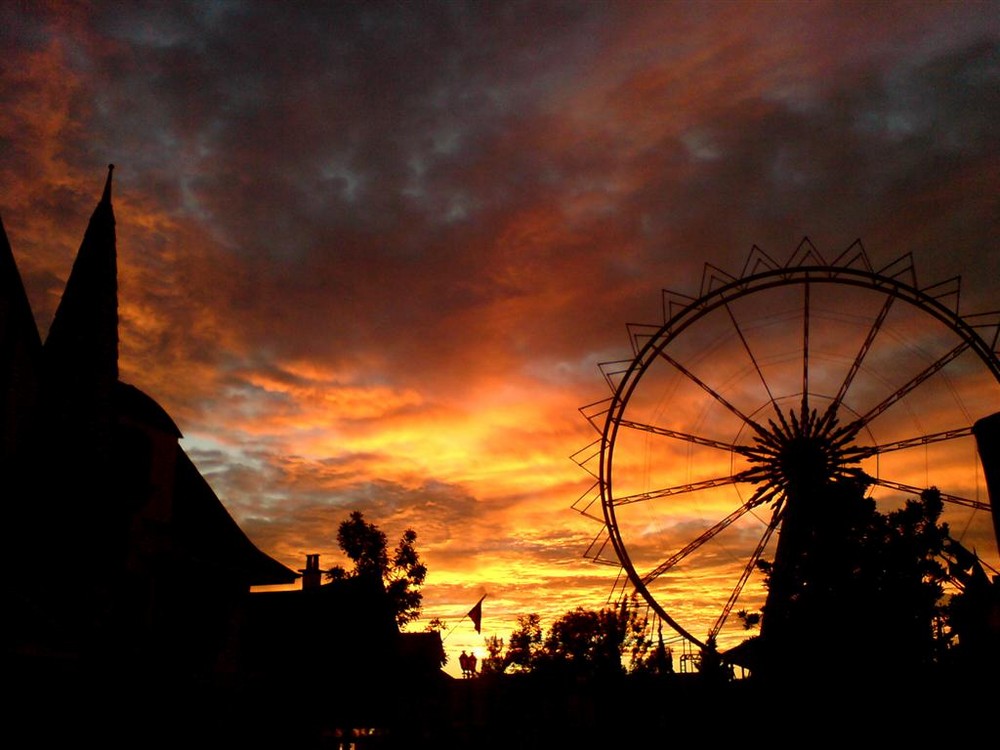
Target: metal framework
821,423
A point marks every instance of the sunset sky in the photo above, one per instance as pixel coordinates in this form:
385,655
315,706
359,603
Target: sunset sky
371,254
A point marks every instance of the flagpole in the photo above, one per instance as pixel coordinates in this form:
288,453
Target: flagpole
452,630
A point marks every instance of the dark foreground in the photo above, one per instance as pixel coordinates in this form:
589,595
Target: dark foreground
519,711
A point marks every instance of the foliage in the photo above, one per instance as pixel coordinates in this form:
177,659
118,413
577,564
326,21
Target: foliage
582,642
586,642
710,664
853,584
494,661
525,644
435,625
401,575
649,656
750,620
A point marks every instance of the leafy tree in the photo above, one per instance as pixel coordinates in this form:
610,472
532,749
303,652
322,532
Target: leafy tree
583,642
586,642
494,661
649,656
710,664
854,586
401,575
435,625
524,644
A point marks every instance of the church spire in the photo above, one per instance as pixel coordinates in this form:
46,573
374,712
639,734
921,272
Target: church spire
106,196
16,320
84,332
20,347
81,350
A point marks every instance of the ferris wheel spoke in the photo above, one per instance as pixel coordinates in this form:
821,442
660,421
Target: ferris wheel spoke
687,437
920,440
753,359
805,350
762,494
712,392
748,569
953,499
907,387
859,358
680,489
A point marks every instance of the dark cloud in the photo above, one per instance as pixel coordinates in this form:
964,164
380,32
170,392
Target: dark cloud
390,171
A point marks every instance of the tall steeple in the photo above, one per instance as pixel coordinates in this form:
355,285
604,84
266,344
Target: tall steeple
20,349
84,332
81,350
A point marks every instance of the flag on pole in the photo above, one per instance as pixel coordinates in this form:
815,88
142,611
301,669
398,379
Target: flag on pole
476,614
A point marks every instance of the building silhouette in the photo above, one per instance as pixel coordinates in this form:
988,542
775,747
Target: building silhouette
134,562
134,588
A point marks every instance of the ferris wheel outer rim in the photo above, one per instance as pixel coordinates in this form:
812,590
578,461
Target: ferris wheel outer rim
713,299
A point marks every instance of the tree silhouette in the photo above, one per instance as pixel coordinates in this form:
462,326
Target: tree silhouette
401,575
651,656
584,643
853,588
524,644
494,661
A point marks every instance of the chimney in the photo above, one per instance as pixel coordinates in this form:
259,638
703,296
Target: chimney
311,574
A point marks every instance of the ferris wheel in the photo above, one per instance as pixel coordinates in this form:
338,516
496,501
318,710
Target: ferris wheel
808,368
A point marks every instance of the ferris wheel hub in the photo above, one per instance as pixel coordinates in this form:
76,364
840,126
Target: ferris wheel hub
805,461
799,453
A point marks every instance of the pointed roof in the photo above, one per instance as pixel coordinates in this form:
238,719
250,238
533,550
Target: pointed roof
206,534
20,347
16,321
84,332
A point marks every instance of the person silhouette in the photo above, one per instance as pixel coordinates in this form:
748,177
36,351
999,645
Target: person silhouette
463,662
472,664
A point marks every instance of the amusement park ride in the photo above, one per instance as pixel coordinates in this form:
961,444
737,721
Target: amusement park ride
766,385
